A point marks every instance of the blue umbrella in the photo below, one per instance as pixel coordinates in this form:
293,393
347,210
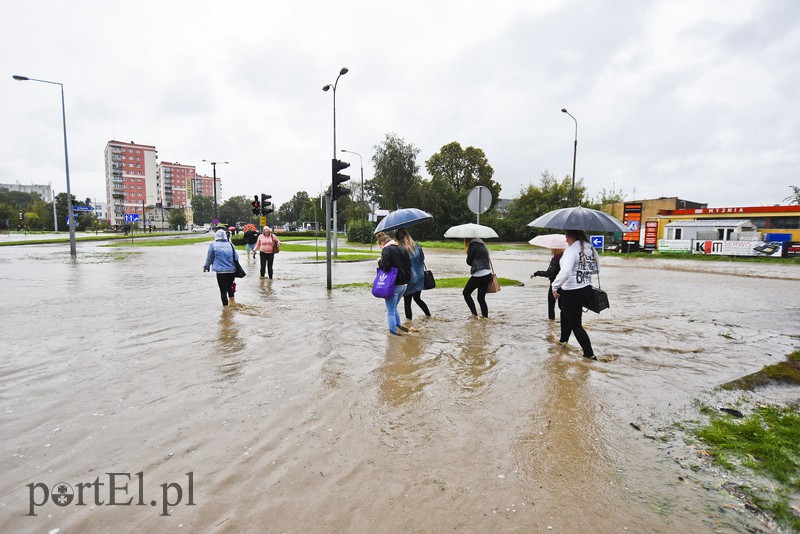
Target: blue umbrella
402,218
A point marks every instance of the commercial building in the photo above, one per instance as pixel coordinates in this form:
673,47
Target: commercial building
131,180
745,230
636,214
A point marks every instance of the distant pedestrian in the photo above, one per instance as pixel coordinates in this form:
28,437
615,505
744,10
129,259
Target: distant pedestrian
394,256
551,272
573,288
268,244
417,281
481,274
220,256
250,237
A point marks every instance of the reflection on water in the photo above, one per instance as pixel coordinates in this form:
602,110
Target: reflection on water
563,430
231,345
475,360
405,370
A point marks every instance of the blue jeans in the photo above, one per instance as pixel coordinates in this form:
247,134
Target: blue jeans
391,308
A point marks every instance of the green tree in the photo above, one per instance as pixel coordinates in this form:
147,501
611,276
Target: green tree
794,198
203,208
177,218
292,210
463,169
312,212
397,180
236,209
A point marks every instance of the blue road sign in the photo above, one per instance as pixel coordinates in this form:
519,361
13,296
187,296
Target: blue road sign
131,217
597,241
633,226
82,208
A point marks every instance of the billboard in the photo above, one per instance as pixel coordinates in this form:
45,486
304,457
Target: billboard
632,218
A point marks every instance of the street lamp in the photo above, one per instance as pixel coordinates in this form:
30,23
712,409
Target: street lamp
363,213
574,154
214,171
342,72
72,248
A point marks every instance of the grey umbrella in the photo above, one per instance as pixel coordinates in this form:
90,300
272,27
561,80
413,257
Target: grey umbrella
579,218
402,218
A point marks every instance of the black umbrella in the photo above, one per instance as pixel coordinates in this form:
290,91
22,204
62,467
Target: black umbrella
579,218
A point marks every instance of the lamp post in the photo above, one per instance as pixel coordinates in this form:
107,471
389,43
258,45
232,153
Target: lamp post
214,172
574,154
342,72
363,212
72,248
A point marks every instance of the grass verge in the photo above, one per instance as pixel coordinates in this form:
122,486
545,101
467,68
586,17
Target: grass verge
764,444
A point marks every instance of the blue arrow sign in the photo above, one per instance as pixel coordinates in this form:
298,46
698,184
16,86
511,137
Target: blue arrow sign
597,241
82,208
131,217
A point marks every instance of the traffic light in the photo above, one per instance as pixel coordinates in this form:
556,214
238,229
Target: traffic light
256,205
266,205
338,178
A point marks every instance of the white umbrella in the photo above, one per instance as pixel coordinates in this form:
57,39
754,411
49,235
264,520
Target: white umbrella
470,231
549,241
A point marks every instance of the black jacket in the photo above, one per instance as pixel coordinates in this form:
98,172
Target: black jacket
553,270
477,257
250,237
396,256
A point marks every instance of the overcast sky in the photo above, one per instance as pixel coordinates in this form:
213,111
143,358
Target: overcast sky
690,98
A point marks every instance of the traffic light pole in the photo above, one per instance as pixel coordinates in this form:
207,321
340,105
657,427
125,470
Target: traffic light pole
328,239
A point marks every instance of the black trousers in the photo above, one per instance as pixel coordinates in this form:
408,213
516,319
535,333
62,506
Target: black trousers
480,283
225,283
266,262
417,297
551,304
571,303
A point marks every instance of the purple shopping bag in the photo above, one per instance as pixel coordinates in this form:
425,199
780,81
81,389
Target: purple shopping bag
383,286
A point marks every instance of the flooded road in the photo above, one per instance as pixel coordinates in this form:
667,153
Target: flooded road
294,411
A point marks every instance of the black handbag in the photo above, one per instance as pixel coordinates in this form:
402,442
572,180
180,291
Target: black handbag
428,281
239,271
598,299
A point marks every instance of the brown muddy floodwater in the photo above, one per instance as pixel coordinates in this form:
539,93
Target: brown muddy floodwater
294,411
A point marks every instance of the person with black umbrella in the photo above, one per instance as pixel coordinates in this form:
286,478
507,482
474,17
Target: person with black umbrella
572,288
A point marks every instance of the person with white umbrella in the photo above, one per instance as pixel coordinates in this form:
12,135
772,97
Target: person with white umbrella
572,288
556,243
478,260
480,274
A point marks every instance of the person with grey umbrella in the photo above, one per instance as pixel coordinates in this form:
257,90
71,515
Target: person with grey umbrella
572,288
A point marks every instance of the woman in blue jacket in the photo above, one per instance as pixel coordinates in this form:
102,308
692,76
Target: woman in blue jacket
417,282
221,254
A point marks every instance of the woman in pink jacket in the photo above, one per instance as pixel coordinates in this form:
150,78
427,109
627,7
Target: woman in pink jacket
268,245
